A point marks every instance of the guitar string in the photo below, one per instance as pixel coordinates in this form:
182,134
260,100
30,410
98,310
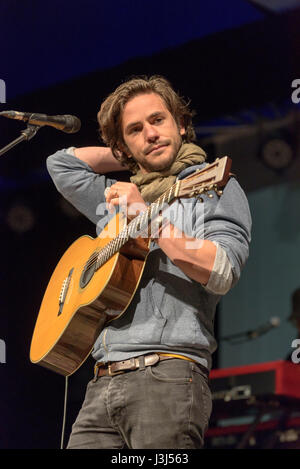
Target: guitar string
114,245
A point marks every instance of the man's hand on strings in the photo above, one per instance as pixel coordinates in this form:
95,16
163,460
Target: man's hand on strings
127,196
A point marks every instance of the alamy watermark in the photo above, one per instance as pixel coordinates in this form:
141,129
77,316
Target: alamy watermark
182,220
295,357
2,91
2,351
296,93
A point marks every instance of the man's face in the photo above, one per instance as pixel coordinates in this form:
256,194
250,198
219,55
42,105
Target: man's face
150,132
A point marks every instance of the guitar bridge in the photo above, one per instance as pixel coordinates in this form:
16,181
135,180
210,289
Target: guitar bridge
64,291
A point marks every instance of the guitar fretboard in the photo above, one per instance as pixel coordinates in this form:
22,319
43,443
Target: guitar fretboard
136,227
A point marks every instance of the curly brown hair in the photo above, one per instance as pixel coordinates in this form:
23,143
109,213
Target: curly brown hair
110,113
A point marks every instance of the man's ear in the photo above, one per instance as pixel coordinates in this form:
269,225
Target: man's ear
181,128
124,149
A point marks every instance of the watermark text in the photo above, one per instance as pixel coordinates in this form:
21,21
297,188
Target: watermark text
2,91
295,357
145,226
2,351
296,93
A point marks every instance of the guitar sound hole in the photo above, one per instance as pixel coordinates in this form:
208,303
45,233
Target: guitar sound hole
88,272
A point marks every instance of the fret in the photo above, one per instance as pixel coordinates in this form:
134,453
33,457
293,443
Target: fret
118,243
163,199
123,234
150,211
133,226
170,195
145,219
154,209
176,189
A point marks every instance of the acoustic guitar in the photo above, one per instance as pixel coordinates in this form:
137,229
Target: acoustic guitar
96,278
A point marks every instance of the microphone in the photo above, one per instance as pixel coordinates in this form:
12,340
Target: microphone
273,322
66,123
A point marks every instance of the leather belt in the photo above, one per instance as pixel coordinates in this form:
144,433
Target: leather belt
116,368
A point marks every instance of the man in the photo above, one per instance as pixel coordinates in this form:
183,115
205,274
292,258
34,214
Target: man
161,347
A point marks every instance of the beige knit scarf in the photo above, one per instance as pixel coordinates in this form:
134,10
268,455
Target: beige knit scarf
153,185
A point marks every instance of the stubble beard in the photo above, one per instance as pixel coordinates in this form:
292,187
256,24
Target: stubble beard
157,166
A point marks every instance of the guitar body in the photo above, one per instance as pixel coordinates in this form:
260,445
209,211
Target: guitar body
73,312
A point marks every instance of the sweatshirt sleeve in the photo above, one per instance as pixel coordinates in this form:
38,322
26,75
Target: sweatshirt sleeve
227,221
224,220
76,181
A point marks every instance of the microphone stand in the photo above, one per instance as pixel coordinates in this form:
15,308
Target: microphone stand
239,338
26,134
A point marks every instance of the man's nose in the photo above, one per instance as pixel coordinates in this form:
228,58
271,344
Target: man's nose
151,133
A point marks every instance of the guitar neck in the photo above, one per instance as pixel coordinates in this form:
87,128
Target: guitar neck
142,221
138,225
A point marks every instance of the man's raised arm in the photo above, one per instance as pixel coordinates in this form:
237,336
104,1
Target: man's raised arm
79,175
100,159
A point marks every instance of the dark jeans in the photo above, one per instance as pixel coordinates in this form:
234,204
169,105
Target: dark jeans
167,405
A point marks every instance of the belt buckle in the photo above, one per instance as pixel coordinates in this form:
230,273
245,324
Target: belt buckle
96,370
113,373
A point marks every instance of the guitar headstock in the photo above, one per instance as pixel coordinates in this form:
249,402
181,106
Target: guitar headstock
213,177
